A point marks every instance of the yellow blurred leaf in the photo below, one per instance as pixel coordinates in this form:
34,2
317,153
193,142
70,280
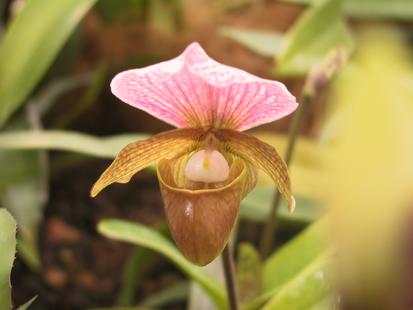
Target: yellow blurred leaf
370,167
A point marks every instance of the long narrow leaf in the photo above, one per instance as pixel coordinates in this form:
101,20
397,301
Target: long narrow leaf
265,43
307,289
320,29
67,141
7,250
397,9
291,267
30,45
145,236
294,256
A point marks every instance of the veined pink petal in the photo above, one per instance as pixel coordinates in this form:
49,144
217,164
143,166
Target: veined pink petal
193,90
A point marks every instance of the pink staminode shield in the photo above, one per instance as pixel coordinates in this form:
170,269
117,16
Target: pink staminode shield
193,90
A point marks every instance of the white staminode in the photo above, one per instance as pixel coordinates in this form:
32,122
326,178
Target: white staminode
208,166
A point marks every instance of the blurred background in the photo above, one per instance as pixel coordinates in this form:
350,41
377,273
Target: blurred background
348,245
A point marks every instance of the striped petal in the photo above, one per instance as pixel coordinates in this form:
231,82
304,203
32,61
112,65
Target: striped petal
261,155
193,90
139,155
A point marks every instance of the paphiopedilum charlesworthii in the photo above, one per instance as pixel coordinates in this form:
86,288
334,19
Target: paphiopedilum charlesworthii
207,165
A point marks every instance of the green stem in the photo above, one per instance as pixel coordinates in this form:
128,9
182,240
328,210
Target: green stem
270,228
230,278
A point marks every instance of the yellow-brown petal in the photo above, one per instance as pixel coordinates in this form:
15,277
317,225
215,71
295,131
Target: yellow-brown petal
261,155
201,220
139,155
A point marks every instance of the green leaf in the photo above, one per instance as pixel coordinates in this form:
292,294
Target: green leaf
21,190
22,166
27,244
139,262
25,200
170,294
163,15
305,290
7,250
370,166
88,99
123,308
398,9
294,256
248,272
112,11
27,304
145,236
319,30
30,45
257,206
292,264
67,141
265,43
301,1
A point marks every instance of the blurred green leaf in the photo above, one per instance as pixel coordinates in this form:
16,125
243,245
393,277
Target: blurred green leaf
7,250
294,256
49,95
27,245
248,272
170,294
25,200
136,267
26,305
87,100
164,15
30,45
306,289
320,29
20,166
294,271
301,1
123,308
399,9
257,205
265,43
112,11
145,236
23,181
139,262
370,167
67,141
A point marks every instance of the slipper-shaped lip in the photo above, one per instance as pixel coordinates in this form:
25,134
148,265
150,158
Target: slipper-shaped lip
201,191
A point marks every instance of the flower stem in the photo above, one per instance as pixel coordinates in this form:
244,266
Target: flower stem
270,228
230,277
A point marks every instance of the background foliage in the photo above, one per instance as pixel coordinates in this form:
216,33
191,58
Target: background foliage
346,245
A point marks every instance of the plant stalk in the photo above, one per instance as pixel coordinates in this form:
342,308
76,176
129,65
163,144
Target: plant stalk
270,228
230,277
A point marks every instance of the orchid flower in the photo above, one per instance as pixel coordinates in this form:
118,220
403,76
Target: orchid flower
207,165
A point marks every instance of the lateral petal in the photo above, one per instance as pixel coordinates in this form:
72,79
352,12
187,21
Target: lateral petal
139,155
261,155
